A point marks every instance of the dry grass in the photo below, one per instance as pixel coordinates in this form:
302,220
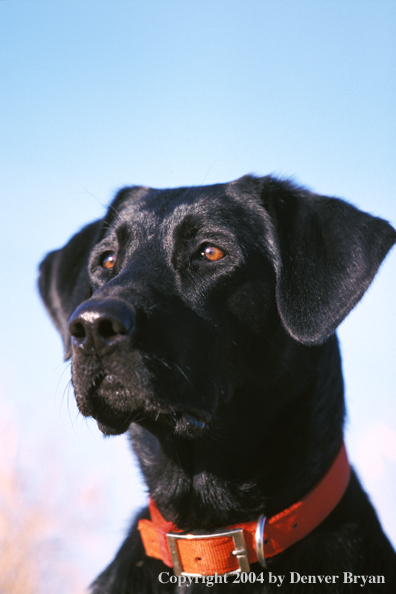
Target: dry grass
40,516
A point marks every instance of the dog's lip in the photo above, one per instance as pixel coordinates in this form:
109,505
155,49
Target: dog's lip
178,418
111,430
181,422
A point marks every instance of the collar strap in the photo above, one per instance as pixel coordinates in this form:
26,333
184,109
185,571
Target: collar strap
231,549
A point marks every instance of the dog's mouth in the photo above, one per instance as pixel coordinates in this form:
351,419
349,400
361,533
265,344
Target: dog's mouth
182,423
115,408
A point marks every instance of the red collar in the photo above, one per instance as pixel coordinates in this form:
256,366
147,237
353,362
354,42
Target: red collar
232,548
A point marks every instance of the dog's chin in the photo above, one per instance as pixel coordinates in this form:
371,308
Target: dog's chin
182,424
108,430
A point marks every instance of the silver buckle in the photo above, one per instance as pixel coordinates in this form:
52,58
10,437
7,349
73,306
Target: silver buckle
259,537
240,551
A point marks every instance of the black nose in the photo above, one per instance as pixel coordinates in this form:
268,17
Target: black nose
101,325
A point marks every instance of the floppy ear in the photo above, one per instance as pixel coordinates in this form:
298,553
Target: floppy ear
326,254
63,280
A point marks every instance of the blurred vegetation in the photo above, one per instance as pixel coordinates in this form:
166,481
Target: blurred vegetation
46,521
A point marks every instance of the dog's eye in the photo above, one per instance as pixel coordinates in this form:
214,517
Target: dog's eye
212,253
108,260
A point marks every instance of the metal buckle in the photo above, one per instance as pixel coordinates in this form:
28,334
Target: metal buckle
259,537
240,551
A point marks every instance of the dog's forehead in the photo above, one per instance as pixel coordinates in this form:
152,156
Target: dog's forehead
223,205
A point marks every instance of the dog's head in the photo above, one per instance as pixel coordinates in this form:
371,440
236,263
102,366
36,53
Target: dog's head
178,299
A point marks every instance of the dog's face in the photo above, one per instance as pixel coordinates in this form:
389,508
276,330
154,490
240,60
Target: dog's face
180,298
183,298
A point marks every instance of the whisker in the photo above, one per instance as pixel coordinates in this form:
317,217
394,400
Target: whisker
67,390
153,306
214,163
137,419
104,204
161,361
75,419
183,374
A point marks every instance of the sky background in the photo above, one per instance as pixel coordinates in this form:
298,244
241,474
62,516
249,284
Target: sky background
97,94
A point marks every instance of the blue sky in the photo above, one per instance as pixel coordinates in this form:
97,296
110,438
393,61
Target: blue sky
98,94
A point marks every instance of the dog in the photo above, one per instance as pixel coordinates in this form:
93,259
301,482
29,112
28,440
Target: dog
201,320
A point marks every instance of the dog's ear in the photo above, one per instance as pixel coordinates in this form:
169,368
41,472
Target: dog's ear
63,280
326,253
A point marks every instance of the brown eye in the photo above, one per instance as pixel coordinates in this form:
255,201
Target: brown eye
212,253
109,261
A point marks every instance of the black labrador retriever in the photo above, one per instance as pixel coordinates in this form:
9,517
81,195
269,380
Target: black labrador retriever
202,320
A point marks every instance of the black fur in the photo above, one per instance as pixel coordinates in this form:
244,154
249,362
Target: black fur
227,373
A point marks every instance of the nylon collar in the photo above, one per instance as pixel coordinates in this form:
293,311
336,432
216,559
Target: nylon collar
233,548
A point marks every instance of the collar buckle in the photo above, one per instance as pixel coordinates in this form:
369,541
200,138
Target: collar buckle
240,551
259,540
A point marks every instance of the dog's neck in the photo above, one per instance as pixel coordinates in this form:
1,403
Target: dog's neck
250,462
